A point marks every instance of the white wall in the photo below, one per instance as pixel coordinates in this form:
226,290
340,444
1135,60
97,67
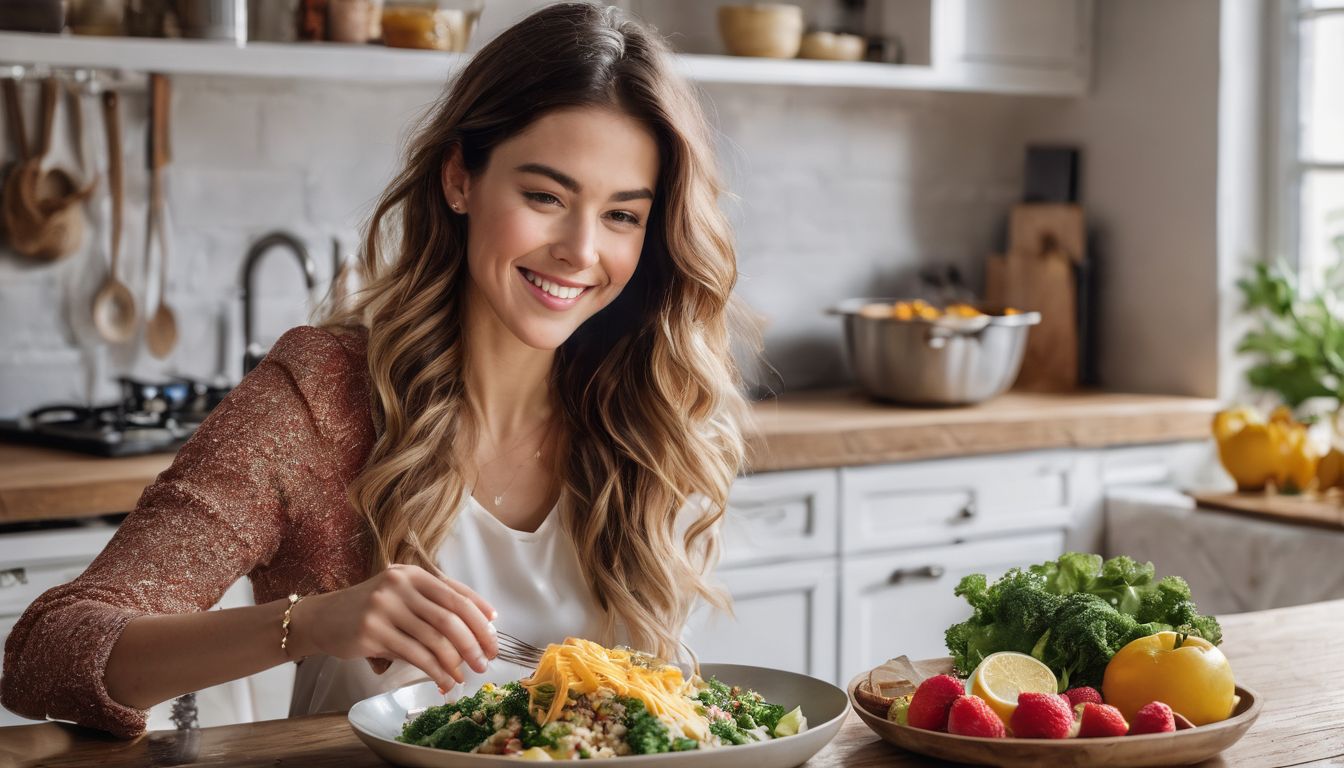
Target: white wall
839,193
1150,136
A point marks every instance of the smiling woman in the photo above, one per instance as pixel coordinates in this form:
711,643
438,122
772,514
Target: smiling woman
529,415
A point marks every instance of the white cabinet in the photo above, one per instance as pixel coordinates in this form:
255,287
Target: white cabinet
784,617
900,603
1025,44
952,500
780,516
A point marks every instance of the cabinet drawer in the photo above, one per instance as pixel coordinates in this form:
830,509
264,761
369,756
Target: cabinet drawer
902,603
943,502
33,562
780,515
785,617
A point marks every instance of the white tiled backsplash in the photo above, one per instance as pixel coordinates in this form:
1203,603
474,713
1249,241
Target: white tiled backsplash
837,193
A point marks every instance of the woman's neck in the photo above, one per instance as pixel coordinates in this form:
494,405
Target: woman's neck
508,382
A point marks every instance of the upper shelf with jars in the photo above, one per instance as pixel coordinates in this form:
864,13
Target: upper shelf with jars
1038,47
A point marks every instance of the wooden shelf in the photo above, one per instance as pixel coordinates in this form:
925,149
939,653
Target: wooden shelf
373,63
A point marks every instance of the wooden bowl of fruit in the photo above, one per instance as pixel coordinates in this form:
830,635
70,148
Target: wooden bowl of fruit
1169,743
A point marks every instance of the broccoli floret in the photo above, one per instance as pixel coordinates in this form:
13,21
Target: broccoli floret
728,732
646,734
716,694
683,744
425,723
461,735
767,714
1087,632
1012,615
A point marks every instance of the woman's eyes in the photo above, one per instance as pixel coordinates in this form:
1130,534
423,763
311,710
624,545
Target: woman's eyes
546,198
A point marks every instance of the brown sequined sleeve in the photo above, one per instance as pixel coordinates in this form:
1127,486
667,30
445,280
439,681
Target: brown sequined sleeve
221,510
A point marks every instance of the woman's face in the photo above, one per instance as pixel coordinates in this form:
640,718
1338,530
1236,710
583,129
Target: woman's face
556,221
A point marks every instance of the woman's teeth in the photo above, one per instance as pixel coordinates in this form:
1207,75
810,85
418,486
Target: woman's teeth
558,291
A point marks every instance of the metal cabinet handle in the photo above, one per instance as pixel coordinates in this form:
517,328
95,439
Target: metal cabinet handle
968,512
13,577
766,516
926,572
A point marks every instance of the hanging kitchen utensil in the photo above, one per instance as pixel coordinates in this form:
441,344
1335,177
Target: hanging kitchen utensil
42,208
114,312
161,331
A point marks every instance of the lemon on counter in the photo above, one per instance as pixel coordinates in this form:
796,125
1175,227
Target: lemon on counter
1193,679
1002,676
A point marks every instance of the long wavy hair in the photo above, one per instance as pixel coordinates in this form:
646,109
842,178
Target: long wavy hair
647,395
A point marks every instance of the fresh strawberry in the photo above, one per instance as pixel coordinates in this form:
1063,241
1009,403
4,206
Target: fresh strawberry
1101,720
1083,695
971,716
1041,716
932,702
1153,717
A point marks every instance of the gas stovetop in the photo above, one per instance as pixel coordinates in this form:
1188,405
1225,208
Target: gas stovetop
151,417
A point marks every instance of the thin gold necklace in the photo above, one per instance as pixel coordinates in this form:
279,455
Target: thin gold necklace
499,498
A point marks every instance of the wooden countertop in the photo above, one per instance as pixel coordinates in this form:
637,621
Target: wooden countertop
844,428
798,431
1289,656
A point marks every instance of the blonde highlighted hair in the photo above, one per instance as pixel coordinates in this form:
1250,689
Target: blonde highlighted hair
646,390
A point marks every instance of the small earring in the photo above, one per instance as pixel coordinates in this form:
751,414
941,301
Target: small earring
457,206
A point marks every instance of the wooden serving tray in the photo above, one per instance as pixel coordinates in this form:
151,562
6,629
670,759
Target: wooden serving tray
1157,749
1310,511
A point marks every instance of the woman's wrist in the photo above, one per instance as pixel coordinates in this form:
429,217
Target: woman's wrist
298,637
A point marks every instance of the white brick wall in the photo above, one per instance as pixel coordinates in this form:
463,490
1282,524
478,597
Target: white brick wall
840,193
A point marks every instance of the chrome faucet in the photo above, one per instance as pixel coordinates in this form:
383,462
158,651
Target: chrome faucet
252,351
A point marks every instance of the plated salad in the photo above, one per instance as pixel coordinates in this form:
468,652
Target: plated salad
586,701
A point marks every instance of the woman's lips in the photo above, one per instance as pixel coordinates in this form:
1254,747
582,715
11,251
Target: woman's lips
552,293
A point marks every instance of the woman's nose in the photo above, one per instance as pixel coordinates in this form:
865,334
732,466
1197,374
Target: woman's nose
577,244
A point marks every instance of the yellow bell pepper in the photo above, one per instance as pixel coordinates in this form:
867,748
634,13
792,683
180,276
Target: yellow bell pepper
1255,451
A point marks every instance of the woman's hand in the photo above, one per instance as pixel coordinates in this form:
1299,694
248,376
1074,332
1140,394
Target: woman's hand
405,612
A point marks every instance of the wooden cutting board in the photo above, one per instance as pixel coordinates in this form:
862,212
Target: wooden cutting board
1047,242
1311,511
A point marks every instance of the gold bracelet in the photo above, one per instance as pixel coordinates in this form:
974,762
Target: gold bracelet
284,623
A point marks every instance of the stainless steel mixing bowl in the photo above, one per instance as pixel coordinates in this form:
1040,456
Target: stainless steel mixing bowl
948,361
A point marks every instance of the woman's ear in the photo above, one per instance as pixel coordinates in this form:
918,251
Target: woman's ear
456,180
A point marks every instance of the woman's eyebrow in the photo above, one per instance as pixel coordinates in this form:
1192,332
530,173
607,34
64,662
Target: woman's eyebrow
572,184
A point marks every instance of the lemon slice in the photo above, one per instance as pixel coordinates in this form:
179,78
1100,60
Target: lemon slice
1002,676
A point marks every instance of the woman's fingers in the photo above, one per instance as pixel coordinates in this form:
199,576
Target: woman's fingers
484,607
405,647
453,627
466,610
444,646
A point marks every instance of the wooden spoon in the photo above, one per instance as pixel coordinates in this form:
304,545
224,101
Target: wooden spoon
161,332
114,311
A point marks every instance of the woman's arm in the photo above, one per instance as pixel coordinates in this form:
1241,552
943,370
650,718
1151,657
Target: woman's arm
192,651
221,509
403,613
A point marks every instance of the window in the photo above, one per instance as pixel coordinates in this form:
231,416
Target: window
1314,211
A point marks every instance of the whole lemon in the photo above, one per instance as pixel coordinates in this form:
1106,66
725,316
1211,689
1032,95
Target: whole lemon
1193,678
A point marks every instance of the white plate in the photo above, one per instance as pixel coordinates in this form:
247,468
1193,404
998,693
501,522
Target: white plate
378,721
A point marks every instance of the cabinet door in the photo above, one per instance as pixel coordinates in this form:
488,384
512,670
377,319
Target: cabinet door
785,618
930,503
901,603
1025,41
778,516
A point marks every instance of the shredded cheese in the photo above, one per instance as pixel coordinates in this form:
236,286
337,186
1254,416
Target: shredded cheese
583,667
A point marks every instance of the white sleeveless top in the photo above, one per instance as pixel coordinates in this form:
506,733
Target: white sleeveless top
531,578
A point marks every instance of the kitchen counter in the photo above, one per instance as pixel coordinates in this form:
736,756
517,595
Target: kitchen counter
1286,655
798,431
